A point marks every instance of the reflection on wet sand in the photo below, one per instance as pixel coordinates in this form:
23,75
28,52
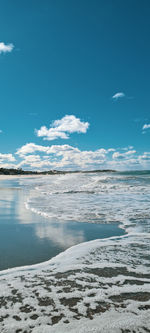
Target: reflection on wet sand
28,238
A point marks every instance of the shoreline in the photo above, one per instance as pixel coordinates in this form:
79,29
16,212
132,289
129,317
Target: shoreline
6,177
102,284
45,239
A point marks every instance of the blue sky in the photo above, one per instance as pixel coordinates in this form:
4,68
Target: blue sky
81,69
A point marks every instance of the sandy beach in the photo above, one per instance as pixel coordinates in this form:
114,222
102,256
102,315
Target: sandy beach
5,177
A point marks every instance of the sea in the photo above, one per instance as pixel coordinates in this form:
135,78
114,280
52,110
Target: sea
73,221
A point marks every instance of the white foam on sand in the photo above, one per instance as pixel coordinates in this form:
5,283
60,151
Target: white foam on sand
98,286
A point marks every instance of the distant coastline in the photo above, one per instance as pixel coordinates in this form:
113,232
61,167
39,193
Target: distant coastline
12,172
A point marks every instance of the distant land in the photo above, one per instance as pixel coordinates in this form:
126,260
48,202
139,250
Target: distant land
4,171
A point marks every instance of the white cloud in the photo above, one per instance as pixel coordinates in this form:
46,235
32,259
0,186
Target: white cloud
29,159
118,95
30,148
62,128
146,126
8,165
4,48
66,157
111,150
126,155
61,157
145,156
117,155
130,152
8,157
127,148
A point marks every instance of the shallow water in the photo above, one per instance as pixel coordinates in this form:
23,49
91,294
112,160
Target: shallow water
27,238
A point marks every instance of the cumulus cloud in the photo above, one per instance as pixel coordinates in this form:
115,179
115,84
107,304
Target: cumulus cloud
117,155
29,159
8,157
61,128
126,155
30,148
4,48
118,96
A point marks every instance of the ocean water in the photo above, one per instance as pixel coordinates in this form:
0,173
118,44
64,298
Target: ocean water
102,282
35,226
94,198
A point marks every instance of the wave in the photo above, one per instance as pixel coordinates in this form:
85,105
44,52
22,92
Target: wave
112,198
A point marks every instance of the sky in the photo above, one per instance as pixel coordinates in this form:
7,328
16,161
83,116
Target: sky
75,84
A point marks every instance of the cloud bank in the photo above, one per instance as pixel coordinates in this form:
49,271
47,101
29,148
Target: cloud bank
67,157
